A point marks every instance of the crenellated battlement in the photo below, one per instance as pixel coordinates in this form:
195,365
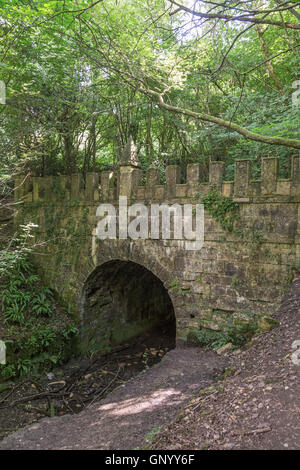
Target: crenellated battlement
126,181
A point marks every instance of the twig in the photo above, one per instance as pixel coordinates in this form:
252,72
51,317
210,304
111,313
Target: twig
97,396
252,431
14,388
32,408
35,397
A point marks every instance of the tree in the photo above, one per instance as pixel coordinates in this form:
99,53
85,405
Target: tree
189,85
159,81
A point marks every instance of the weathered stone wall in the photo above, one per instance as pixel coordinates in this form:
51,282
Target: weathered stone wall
246,270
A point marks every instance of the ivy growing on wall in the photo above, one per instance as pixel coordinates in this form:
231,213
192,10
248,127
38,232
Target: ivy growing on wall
221,208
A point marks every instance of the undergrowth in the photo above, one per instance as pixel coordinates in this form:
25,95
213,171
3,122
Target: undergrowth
236,334
37,331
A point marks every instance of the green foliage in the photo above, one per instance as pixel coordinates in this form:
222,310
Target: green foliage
221,208
40,335
22,295
174,283
235,282
185,292
207,338
72,104
145,359
233,331
150,436
37,347
240,332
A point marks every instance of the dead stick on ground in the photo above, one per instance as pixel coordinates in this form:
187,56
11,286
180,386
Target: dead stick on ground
32,408
14,388
105,389
34,397
252,431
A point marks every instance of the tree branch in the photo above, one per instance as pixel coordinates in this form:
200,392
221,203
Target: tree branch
242,18
292,143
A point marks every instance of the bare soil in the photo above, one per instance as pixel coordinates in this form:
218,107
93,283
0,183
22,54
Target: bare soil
79,383
192,399
258,405
131,415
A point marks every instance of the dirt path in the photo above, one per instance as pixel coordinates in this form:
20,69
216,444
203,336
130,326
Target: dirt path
70,388
130,412
258,407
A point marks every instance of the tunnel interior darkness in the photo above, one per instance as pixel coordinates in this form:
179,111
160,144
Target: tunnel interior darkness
121,300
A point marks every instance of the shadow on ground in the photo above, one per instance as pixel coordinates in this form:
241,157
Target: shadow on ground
131,412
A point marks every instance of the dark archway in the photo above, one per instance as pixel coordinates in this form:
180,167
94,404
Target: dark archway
121,300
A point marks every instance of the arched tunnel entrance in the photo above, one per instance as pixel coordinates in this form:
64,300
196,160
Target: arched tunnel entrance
122,300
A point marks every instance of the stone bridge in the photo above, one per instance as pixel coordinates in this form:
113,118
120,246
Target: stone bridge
121,287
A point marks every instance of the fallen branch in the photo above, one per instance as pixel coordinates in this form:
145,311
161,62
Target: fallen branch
252,431
35,397
97,396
